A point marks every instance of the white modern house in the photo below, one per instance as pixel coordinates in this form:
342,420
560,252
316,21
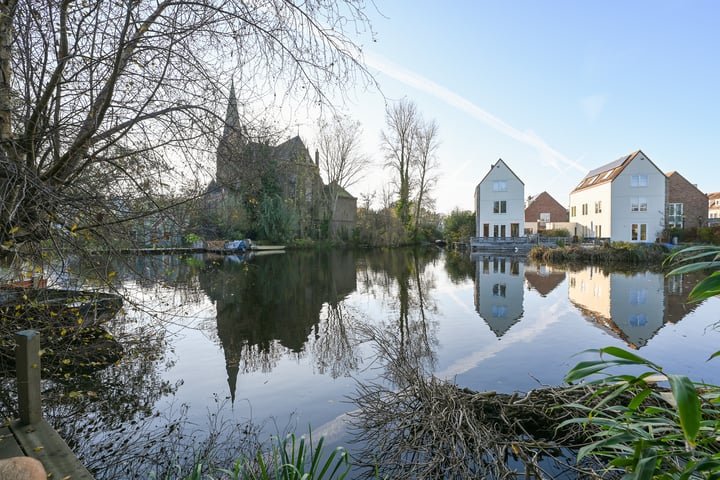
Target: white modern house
622,201
500,203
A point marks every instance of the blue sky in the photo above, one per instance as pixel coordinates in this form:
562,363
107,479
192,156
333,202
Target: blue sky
554,88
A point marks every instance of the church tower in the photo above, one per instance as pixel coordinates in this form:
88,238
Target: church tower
229,156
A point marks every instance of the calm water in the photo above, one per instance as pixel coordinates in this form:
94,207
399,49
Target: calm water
276,339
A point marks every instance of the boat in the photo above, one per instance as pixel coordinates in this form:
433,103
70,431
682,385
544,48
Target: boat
264,248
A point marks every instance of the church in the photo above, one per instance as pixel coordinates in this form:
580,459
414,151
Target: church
253,168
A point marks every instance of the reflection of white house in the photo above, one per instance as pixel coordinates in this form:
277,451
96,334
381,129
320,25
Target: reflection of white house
500,203
499,291
623,200
630,306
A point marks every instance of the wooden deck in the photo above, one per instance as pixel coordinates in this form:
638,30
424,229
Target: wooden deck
30,435
42,442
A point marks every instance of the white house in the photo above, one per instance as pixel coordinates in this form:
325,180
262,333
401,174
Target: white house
623,201
500,203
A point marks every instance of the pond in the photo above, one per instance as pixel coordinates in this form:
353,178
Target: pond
221,351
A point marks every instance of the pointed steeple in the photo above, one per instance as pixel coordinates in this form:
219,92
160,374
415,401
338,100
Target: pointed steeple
232,142
232,117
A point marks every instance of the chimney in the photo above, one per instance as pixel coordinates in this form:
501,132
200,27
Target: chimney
317,158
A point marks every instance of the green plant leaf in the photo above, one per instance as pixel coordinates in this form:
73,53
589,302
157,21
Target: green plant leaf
645,469
625,355
688,404
706,288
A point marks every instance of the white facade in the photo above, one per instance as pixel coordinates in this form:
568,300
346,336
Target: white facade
630,306
623,201
499,291
500,203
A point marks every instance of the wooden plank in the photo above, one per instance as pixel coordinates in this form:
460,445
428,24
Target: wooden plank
27,358
41,441
8,445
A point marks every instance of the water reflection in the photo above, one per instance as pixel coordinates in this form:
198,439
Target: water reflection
287,334
633,306
267,308
499,291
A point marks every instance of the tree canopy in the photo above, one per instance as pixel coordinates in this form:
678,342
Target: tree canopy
106,107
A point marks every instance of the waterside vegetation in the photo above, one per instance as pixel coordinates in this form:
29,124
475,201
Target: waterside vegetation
605,254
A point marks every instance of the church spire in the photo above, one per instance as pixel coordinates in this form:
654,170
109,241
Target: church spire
231,143
232,117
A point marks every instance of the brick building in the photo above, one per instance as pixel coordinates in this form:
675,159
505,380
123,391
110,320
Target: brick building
687,207
713,208
544,208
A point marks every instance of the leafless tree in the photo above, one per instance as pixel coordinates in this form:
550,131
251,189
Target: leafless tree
425,162
341,160
401,119
106,104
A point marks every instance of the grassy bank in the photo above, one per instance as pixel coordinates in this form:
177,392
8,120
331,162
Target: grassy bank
621,253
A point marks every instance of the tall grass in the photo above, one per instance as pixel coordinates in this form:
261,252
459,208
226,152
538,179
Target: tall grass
289,458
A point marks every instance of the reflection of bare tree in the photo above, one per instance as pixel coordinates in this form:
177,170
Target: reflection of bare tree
401,278
334,347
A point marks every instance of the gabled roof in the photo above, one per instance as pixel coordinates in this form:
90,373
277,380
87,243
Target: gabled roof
713,196
500,160
293,150
534,198
609,172
675,174
342,193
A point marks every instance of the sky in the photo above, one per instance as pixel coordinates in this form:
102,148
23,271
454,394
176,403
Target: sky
554,88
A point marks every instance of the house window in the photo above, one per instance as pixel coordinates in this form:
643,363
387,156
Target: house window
544,217
500,206
598,231
598,207
499,311
499,290
584,208
607,174
639,232
638,204
500,186
573,211
639,180
675,215
486,229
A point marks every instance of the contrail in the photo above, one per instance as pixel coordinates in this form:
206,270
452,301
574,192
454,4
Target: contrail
549,155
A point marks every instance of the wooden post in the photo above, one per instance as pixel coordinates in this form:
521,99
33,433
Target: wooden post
27,358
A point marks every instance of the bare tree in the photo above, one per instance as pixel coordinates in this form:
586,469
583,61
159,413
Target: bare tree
106,104
341,160
425,162
401,119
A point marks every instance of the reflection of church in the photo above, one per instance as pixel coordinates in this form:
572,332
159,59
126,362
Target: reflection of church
633,307
499,291
270,308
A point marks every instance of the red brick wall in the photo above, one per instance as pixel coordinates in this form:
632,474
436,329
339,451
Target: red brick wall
695,202
545,203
